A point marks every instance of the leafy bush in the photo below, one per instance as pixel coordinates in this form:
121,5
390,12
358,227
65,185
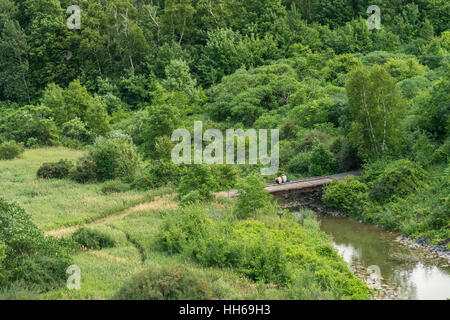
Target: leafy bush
55,170
85,170
252,197
157,174
442,154
300,163
27,122
92,239
191,198
167,283
177,231
423,150
399,178
266,252
322,161
75,133
346,156
115,158
198,178
26,254
347,195
10,150
115,186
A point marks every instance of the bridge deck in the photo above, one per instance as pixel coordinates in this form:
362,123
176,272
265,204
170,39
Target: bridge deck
307,185
298,186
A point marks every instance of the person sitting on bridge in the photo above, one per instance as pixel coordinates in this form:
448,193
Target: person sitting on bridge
284,178
278,180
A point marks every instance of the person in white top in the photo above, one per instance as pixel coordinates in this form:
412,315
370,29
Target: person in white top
278,180
284,178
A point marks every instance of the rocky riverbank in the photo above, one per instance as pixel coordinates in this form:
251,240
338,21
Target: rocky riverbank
422,244
384,290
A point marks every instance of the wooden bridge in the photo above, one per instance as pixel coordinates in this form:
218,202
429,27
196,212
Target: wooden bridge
308,184
298,186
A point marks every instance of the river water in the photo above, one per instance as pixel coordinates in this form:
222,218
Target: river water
416,273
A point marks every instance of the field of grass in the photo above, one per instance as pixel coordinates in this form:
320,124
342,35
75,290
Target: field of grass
58,203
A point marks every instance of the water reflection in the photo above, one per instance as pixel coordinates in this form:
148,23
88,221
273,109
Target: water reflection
416,275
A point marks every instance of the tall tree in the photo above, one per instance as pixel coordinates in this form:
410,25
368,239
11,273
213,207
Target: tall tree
14,65
376,108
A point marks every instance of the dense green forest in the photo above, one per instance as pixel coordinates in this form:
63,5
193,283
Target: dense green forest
344,97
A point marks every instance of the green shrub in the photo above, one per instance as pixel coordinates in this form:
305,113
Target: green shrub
28,255
115,159
253,198
75,133
423,150
92,239
85,170
265,252
167,283
156,174
348,195
177,231
322,161
55,170
10,150
299,163
346,156
32,143
115,186
198,178
191,198
442,154
399,178
21,124
371,171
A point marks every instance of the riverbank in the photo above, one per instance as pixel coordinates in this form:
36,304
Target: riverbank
312,200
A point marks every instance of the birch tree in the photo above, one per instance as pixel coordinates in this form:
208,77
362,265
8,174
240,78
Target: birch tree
376,109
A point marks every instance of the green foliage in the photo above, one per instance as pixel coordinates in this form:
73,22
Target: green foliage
398,179
55,170
166,283
252,197
28,255
423,150
187,226
226,176
377,109
74,133
299,163
114,186
10,150
348,195
322,161
442,154
92,239
28,122
265,252
198,178
85,171
115,158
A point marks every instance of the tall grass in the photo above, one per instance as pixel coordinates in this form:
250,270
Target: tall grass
59,203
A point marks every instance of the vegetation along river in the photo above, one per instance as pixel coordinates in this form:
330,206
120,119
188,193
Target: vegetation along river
416,274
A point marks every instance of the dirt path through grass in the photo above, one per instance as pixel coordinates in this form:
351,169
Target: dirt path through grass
160,202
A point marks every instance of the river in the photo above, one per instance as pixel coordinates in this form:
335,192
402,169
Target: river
416,274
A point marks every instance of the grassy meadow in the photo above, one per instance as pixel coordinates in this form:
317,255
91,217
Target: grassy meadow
59,203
